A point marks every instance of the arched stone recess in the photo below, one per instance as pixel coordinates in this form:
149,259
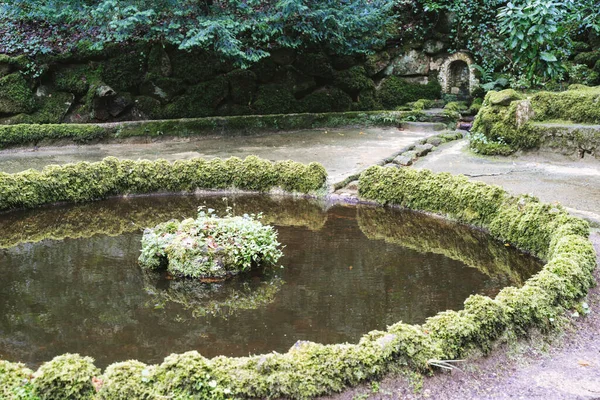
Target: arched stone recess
456,74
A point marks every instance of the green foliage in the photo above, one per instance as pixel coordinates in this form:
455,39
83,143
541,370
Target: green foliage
241,31
15,381
582,74
395,91
209,246
90,181
535,32
66,377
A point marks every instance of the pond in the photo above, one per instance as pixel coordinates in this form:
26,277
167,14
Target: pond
71,282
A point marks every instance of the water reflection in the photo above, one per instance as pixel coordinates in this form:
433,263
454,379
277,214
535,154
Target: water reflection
347,270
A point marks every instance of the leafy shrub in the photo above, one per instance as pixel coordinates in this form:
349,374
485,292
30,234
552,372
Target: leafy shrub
66,377
209,246
395,91
15,381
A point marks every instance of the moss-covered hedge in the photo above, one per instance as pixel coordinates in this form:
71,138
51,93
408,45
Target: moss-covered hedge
507,121
27,134
86,181
310,369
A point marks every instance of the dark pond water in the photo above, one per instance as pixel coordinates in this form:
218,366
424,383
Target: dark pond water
70,280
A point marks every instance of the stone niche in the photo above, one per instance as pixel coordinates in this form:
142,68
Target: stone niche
456,75
454,71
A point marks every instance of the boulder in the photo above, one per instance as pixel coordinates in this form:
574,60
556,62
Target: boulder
422,149
432,47
412,62
504,97
15,95
405,159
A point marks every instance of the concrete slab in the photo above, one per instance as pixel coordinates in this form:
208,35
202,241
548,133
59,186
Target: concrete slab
343,152
573,182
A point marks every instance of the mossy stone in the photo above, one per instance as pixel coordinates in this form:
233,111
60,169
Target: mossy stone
395,91
315,64
148,107
51,109
194,66
275,99
159,62
353,80
162,88
15,95
124,72
299,82
588,58
326,100
75,78
200,100
367,100
265,70
377,62
242,86
504,97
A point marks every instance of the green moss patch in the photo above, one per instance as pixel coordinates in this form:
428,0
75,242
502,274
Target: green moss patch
91,181
15,95
209,246
505,122
395,91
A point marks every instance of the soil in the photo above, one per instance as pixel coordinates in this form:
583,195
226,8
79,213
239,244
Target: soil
564,365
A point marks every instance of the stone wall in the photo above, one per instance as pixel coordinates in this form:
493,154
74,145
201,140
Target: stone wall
155,82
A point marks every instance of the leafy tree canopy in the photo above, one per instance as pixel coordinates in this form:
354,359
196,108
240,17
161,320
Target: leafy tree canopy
240,30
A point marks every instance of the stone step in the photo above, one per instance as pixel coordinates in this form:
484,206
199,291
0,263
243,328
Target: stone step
569,138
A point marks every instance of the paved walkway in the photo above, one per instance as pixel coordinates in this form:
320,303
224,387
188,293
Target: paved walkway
573,182
342,151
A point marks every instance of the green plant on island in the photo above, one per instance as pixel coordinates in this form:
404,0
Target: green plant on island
210,246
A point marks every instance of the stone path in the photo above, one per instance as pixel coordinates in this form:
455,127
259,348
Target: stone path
342,151
573,182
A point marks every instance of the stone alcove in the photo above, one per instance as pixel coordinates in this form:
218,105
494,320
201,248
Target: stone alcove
456,74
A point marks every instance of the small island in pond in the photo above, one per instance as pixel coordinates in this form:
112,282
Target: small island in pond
209,247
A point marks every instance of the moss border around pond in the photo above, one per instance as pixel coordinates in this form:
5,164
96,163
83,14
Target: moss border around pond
310,369
86,181
34,134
